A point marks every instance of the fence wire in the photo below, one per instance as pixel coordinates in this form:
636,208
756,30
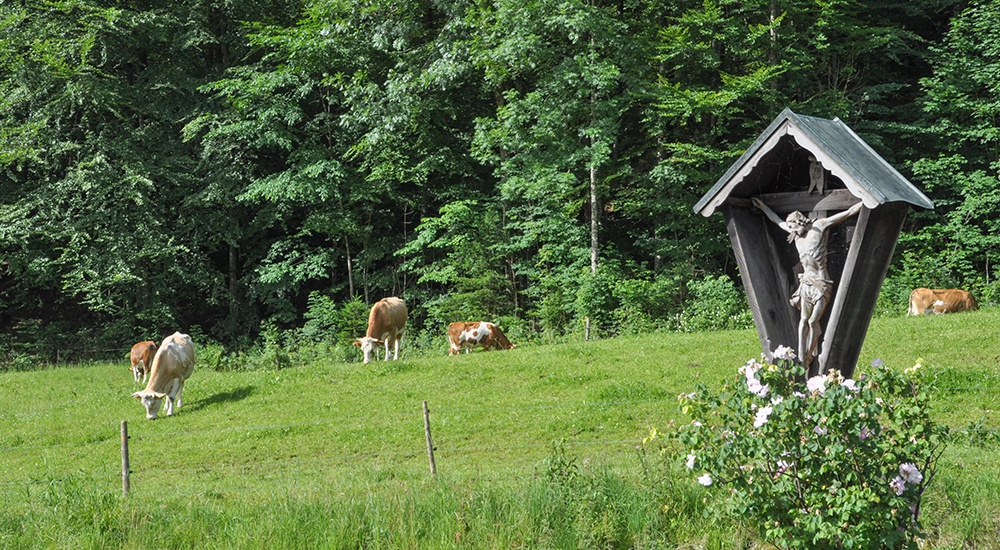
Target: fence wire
973,429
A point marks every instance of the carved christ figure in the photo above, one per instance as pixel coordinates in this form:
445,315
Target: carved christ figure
815,286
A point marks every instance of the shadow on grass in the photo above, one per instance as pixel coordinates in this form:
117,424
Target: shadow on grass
231,396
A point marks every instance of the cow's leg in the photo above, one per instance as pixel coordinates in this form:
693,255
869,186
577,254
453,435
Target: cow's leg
395,356
171,393
180,389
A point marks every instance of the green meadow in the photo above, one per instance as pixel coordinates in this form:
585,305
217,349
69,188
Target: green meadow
538,447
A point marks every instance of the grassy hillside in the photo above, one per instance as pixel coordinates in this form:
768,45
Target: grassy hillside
333,454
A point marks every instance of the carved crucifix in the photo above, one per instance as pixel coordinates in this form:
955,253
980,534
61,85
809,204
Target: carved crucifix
815,285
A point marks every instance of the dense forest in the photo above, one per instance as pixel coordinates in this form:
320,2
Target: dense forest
239,168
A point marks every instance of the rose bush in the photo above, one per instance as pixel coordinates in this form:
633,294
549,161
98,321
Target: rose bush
821,463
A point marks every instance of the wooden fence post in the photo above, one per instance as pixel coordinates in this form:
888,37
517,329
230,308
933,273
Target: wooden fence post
427,433
125,467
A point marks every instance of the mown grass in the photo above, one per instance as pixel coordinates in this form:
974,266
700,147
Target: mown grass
538,447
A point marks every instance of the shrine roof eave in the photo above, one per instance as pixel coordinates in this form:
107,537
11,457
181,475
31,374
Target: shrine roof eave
841,151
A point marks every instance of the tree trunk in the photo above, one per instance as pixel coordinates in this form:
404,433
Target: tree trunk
593,181
233,278
350,270
593,218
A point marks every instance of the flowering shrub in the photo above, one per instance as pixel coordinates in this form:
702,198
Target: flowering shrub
822,463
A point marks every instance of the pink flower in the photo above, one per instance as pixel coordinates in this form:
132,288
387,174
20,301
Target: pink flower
865,433
898,485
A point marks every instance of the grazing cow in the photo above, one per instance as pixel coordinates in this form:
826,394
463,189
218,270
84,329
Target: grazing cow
950,300
385,326
142,359
172,365
480,333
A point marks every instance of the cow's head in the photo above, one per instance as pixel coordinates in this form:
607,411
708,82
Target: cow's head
151,400
367,345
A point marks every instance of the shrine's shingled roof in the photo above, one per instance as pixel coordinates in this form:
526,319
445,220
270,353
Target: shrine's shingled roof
863,171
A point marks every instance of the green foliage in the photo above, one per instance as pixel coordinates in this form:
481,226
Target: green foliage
645,305
328,322
819,463
217,163
913,271
715,304
462,254
960,104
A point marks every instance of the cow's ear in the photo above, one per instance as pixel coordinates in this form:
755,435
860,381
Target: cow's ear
379,342
357,342
159,395
137,395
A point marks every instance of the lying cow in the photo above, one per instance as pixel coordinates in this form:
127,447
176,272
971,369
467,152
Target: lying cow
172,365
385,327
480,333
142,359
925,300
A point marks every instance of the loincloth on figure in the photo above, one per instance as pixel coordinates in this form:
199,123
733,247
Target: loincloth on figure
812,289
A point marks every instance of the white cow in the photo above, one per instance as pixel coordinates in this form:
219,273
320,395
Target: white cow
385,326
172,365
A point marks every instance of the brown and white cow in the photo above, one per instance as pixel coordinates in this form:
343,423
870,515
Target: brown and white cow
172,365
950,300
142,359
480,333
385,326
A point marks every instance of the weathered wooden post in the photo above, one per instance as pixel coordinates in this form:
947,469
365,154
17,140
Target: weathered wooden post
815,290
125,464
427,434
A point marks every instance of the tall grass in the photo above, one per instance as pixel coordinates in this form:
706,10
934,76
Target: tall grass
539,447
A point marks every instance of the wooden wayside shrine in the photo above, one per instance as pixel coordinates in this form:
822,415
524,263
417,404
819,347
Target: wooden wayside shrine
818,167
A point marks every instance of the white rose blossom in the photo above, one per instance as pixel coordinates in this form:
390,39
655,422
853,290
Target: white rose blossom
784,352
750,368
756,387
690,461
816,384
909,472
705,480
761,417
